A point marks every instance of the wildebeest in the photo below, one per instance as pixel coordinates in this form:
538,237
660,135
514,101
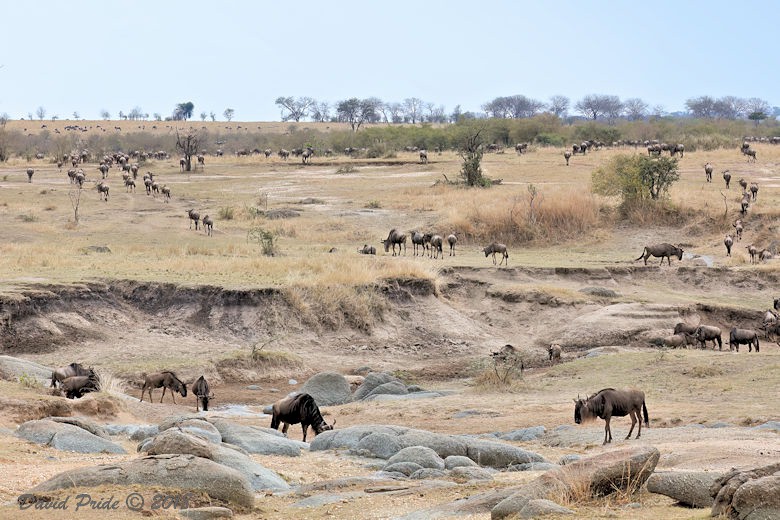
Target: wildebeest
610,402
103,170
76,386
708,172
705,333
367,250
744,203
417,241
182,163
743,336
676,340
776,304
728,242
102,190
506,353
494,248
58,375
202,393
208,225
283,154
738,228
754,190
202,161
674,149
751,155
30,173
663,250
129,185
394,238
166,191
567,156
685,328
764,255
451,240
753,252
436,246
743,183
424,156
148,185
727,178
164,379
554,351
194,217
296,409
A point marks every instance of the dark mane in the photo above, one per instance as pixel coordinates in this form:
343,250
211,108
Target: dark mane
310,410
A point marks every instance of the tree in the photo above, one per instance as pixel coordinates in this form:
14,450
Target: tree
559,105
41,113
730,107
296,109
105,114
636,177
189,145
635,109
412,108
157,116
320,112
213,116
701,107
757,110
470,152
228,113
357,111
595,105
4,152
136,113
514,107
76,115
203,116
183,111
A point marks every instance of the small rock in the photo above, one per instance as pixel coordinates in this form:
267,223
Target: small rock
601,292
524,434
540,507
568,459
405,468
427,473
206,513
253,387
292,382
458,461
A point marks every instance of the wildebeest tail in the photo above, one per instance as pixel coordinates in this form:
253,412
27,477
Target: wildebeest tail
205,400
644,410
643,254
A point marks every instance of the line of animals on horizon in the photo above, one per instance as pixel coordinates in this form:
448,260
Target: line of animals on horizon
75,381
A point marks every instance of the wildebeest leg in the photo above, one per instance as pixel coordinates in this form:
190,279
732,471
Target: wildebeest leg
285,428
632,415
607,431
305,428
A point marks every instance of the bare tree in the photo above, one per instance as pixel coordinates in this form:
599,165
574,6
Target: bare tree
595,105
559,105
75,199
105,114
320,112
228,113
413,109
41,113
296,109
396,111
203,116
213,116
702,106
635,109
189,145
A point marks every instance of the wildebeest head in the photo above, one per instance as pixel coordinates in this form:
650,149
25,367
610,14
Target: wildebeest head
678,252
580,409
777,304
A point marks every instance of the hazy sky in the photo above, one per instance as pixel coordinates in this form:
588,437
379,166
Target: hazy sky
86,56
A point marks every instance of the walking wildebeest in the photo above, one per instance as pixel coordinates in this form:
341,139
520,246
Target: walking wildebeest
705,333
208,225
753,252
103,170
102,190
367,250
30,173
58,375
202,161
728,242
685,328
743,183
744,203
296,409
417,241
194,217
610,402
727,178
663,250
708,172
202,393
424,156
76,386
437,243
129,185
738,228
494,248
567,156
164,379
451,240
743,336
394,238
182,163
754,190
751,155
554,352
166,191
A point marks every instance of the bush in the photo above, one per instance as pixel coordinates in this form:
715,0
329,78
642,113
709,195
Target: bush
550,139
635,177
226,213
265,239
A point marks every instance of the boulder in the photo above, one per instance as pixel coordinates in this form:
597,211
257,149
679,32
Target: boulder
759,500
181,472
206,513
532,466
690,488
177,441
428,473
499,455
425,457
541,507
465,474
257,440
568,459
769,425
83,423
379,445
395,387
601,474
600,292
371,381
458,461
201,428
328,388
403,467
523,434
66,437
473,506
13,368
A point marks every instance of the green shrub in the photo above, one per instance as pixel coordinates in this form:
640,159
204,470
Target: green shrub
263,238
226,213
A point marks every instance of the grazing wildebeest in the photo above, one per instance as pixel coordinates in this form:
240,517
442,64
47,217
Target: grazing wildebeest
764,255
166,191
437,243
663,250
394,238
567,156
727,178
610,402
424,156
676,340
296,409
554,351
751,155
30,173
705,333
708,172
58,375
367,250
743,337
738,228
306,155
194,217
685,328
451,240
208,225
102,190
202,394
674,149
76,386
182,163
494,248
417,241
728,242
753,252
754,190
164,379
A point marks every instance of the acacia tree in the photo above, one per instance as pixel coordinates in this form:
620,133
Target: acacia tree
357,111
471,153
188,144
183,111
228,113
296,109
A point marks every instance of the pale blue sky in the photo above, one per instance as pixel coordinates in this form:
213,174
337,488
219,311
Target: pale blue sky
85,56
